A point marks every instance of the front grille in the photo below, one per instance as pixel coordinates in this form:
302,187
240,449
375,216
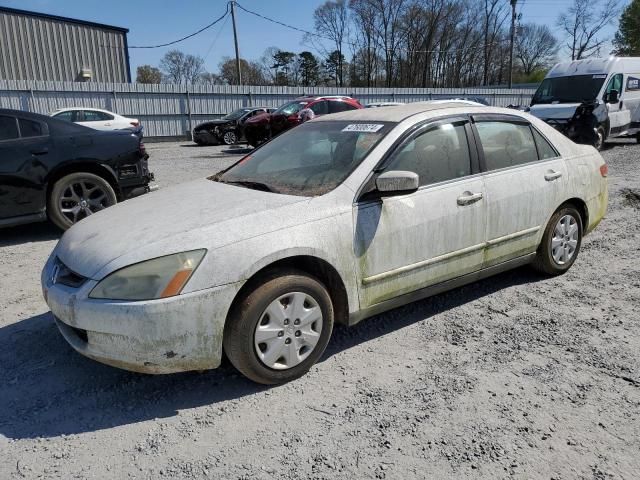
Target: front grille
64,276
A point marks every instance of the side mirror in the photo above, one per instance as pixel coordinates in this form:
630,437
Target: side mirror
397,182
613,96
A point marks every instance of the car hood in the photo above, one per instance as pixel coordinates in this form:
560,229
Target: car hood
198,214
212,123
258,119
555,111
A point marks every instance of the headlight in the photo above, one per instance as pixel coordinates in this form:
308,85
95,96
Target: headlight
158,278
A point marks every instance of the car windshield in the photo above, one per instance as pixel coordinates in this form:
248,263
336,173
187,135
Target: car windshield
236,115
572,89
309,160
290,108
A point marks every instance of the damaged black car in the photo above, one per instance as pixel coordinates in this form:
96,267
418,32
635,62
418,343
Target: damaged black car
227,130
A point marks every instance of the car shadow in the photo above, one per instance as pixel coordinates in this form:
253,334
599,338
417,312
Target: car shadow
237,150
49,389
32,232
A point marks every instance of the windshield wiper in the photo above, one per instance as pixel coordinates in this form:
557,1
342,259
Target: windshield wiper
253,185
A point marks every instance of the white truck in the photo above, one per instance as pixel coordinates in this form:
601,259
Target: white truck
591,100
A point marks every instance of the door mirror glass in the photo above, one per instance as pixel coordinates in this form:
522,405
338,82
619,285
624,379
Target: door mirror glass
613,96
397,181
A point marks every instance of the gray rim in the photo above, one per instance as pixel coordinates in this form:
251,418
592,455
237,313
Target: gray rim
229,138
288,331
599,139
81,198
565,239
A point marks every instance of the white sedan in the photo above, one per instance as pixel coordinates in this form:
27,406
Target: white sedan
96,118
341,218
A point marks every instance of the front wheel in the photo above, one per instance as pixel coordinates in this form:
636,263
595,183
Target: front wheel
560,243
279,330
601,136
77,196
230,138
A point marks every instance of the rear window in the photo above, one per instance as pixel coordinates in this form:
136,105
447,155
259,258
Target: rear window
8,128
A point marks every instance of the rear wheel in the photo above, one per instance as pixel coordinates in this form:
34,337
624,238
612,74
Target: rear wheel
279,330
77,196
560,243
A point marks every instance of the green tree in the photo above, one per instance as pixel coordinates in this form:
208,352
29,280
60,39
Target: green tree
627,39
251,72
282,63
148,74
309,69
333,65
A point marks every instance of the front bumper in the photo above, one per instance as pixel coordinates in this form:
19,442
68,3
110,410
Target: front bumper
169,335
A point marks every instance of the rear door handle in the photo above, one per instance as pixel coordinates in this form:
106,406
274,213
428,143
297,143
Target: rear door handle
552,175
468,198
40,151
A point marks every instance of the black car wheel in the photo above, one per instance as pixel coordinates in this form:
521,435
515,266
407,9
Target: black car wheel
77,196
230,138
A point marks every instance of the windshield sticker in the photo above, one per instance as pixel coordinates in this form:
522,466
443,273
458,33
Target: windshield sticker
599,76
363,127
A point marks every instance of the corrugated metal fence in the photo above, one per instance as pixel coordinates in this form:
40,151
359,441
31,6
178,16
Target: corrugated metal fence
173,110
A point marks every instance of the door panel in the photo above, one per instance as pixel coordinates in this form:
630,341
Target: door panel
410,242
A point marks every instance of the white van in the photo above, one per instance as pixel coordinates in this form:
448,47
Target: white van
591,100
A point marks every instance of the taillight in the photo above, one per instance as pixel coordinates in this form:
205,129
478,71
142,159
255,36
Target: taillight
604,169
134,124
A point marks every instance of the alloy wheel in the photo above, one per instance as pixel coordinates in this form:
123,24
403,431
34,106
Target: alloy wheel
82,198
565,239
230,138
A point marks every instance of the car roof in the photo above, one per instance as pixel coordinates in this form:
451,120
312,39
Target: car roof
398,113
66,109
23,114
323,97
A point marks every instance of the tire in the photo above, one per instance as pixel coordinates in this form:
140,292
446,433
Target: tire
601,136
558,239
272,361
80,194
230,138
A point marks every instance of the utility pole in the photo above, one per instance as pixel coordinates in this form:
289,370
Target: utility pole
235,41
513,34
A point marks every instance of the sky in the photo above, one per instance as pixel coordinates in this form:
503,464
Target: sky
151,22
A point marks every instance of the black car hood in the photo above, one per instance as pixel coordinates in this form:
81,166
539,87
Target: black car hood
214,123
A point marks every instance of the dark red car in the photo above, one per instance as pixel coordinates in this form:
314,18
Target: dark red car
261,128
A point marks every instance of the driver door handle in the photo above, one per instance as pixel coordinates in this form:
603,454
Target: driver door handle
39,151
552,175
467,198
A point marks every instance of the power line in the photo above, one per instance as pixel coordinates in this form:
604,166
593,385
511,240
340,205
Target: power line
216,37
188,36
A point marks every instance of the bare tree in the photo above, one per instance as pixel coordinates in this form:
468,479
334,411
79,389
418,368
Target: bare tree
148,74
494,14
181,68
331,21
583,23
364,18
251,72
535,47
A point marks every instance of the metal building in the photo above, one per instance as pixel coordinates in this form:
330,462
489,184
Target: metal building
37,46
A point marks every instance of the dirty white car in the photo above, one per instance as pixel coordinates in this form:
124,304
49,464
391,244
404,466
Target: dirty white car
336,220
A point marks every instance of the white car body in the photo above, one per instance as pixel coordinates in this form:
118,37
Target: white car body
382,253
620,118
383,104
95,118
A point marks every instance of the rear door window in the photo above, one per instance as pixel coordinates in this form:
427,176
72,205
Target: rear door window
93,116
437,155
506,144
69,116
29,128
8,128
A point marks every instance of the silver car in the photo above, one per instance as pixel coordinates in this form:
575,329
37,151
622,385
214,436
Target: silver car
341,218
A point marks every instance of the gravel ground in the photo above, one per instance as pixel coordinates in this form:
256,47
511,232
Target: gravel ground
517,376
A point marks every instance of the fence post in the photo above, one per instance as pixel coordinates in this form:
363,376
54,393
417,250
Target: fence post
189,114
250,99
115,102
32,107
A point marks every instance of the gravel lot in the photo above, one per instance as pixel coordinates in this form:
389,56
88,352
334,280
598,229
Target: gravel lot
517,376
